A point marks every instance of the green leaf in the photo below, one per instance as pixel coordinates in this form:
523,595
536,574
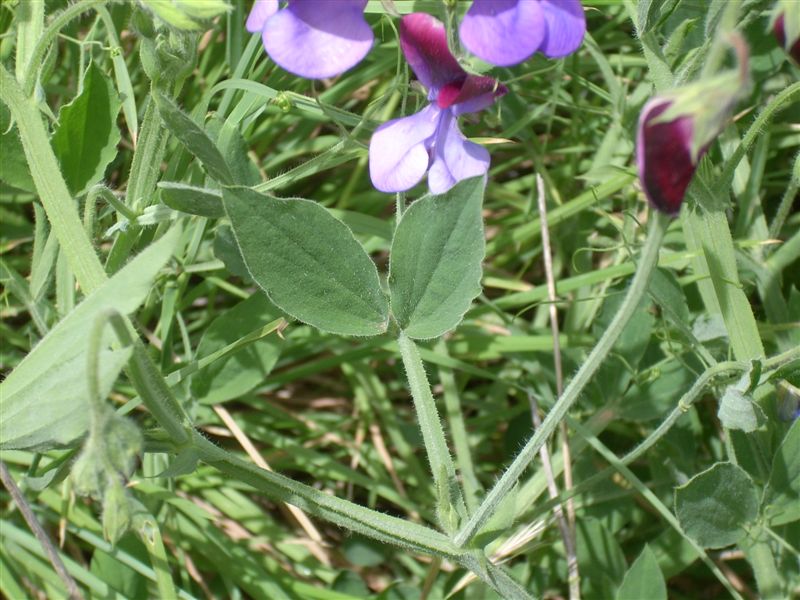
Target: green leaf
714,505
667,292
192,200
308,263
44,401
435,269
240,372
226,250
782,496
363,552
193,137
13,167
738,411
189,15
86,139
615,374
644,579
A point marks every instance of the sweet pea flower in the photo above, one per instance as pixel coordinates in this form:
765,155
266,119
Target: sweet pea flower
506,32
676,129
401,151
313,38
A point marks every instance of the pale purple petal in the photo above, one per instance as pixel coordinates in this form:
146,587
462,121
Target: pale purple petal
566,26
318,38
503,32
398,150
424,42
455,157
261,11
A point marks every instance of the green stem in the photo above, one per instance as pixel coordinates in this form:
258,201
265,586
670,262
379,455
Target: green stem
458,431
150,535
343,513
756,548
782,100
30,23
719,47
61,19
84,263
684,404
53,192
641,280
145,170
786,202
441,463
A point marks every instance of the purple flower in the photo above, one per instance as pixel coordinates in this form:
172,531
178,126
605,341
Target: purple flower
506,32
313,38
403,150
664,156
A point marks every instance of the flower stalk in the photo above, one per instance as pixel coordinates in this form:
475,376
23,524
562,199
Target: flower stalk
647,263
450,500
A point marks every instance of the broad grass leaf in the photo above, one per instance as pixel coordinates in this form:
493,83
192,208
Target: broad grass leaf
782,496
644,579
714,506
119,575
192,200
435,264
240,372
600,557
44,401
308,263
86,139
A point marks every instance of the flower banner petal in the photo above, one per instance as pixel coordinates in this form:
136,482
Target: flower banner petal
398,150
261,11
455,157
318,38
424,42
503,32
663,155
566,26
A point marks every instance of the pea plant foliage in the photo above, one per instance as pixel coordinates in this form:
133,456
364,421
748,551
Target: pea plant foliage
401,299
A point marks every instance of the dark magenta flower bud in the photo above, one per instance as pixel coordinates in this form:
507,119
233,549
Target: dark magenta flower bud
664,155
676,128
786,27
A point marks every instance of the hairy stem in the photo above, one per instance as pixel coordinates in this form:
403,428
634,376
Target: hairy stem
441,463
641,280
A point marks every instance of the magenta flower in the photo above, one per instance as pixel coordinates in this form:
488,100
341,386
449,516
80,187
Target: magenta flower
676,129
401,151
664,156
788,40
506,32
313,38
